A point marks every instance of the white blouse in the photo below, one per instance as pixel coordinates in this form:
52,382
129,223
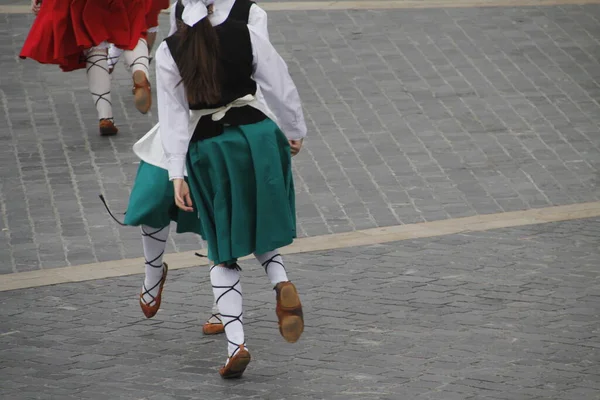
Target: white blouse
271,76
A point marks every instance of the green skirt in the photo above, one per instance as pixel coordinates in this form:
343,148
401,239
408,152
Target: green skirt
152,202
243,190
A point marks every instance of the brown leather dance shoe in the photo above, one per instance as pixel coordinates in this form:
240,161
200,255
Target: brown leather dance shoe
153,306
213,328
289,312
141,92
107,127
237,364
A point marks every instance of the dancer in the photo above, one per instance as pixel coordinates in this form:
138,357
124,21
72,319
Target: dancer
237,159
154,9
153,211
75,34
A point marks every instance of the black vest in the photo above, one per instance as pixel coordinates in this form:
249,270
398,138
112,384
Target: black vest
235,67
240,11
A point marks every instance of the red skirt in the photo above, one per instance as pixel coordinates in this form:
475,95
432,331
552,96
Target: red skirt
156,6
63,29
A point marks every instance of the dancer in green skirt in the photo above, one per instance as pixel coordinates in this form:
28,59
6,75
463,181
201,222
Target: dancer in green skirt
238,161
152,204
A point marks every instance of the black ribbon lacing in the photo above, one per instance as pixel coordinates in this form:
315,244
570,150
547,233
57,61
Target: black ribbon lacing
122,224
109,212
137,62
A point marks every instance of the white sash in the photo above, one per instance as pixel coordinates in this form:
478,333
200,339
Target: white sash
149,148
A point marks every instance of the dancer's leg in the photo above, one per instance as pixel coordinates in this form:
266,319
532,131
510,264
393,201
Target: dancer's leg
289,309
273,265
228,294
151,37
137,59
99,83
154,241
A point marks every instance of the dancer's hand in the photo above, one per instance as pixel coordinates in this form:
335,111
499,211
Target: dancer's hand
295,146
183,199
35,6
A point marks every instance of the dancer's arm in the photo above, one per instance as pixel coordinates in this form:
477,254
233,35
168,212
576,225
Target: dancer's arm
35,6
173,111
258,20
271,74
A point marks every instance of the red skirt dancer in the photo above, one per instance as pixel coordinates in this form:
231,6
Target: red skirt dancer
76,34
63,29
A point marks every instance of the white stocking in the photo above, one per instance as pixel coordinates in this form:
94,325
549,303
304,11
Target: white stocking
273,265
99,80
137,59
228,294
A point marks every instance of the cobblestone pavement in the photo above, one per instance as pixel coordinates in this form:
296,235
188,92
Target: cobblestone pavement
510,314
414,115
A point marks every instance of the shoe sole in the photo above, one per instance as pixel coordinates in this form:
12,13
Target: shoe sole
108,132
142,96
291,326
238,366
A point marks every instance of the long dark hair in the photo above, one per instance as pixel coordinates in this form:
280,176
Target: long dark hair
198,56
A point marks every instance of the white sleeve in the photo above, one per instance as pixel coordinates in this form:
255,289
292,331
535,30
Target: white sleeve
173,111
258,20
272,76
172,21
